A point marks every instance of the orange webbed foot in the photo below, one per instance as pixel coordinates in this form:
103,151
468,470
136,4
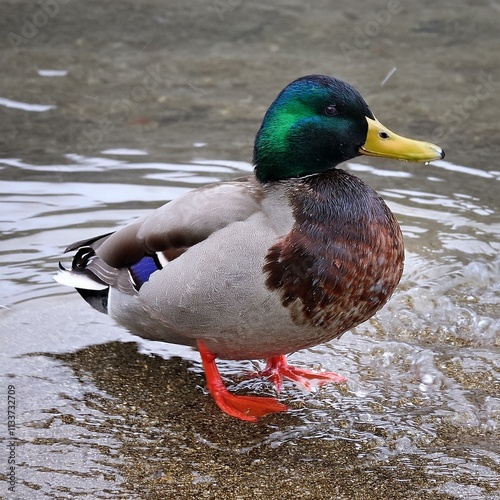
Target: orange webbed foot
249,408
277,369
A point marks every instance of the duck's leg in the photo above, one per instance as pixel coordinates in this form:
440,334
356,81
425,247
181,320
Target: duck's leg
249,408
277,368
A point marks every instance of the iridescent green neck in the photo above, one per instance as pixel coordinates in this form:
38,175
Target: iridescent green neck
276,154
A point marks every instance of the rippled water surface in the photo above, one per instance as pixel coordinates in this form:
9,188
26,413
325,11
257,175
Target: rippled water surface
102,414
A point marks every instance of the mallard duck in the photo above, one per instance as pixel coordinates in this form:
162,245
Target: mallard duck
262,266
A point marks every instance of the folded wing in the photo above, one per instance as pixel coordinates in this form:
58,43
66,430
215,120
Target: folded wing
127,258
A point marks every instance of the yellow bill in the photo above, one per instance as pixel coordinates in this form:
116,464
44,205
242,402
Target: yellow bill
380,141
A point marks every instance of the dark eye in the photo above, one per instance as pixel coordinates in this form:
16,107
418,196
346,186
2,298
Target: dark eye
331,110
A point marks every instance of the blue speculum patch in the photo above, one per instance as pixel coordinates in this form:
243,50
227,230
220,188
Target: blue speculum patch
142,270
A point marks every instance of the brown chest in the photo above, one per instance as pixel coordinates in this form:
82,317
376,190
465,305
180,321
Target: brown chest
343,258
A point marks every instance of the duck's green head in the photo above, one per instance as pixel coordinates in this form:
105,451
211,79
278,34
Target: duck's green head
317,122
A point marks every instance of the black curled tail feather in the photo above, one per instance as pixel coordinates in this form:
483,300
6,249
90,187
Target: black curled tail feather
88,274
93,278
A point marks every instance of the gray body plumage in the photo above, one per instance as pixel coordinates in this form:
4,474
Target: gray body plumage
214,243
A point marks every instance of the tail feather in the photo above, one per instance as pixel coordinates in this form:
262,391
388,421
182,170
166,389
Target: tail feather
93,277
78,279
92,286
98,299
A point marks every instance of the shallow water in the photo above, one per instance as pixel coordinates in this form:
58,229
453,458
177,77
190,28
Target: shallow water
102,414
